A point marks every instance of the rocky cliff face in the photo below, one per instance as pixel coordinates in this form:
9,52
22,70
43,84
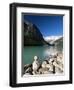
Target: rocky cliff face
32,35
59,42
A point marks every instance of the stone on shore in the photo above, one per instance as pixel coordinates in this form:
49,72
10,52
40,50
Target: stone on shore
35,64
52,66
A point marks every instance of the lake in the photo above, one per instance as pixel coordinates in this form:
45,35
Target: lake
41,51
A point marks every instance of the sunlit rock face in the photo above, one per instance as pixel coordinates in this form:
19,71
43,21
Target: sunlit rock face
32,35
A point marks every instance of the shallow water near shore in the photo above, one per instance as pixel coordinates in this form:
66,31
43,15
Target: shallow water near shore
42,52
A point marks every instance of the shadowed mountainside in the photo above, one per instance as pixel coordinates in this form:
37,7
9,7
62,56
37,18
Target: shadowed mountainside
32,35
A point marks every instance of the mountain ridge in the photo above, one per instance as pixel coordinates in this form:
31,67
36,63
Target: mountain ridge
32,35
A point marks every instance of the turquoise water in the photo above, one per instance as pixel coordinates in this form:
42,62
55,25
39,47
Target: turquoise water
41,51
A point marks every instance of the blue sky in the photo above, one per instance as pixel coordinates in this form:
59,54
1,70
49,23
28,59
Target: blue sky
48,25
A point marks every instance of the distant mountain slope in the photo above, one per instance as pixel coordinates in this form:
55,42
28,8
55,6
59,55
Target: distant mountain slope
52,39
32,35
59,42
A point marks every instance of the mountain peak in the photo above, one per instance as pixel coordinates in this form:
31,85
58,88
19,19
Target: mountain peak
32,35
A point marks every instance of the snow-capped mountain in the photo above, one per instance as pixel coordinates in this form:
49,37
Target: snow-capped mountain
52,39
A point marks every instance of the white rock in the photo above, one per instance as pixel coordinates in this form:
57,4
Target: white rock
35,64
59,66
44,63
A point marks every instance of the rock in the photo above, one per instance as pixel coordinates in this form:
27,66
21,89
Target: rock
50,60
51,66
29,70
44,63
53,58
43,70
59,66
35,73
26,74
40,70
60,58
48,65
35,64
27,65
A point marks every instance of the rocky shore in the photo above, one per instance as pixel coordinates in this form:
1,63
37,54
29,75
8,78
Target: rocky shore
51,65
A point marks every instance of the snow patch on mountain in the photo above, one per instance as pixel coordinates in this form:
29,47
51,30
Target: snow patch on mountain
52,39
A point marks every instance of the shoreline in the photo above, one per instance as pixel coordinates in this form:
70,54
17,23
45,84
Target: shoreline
53,65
